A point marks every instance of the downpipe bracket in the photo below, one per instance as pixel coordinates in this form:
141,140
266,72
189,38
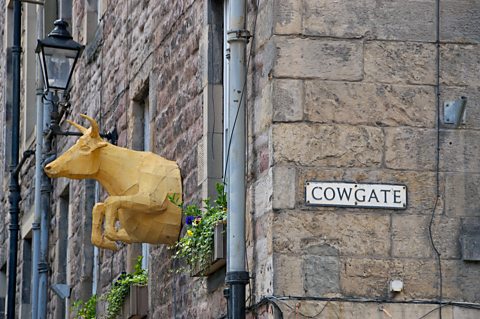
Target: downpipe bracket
43,267
237,277
238,35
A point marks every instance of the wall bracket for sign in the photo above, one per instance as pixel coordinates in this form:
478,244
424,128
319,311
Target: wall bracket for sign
454,111
356,195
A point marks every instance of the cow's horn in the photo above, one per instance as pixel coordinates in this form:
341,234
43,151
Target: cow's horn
78,126
95,131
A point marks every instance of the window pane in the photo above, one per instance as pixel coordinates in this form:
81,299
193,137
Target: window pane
59,63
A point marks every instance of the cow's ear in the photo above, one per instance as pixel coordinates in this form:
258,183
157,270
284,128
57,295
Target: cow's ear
101,144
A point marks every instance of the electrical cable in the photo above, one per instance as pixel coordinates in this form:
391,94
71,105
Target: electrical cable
240,101
379,300
263,302
302,314
211,90
325,306
437,159
251,53
272,300
282,299
431,311
127,87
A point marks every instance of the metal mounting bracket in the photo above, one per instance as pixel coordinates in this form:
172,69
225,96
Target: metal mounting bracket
238,35
62,290
112,135
454,111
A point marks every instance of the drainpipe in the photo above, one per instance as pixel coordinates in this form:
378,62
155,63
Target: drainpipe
41,127
46,189
237,276
43,264
14,187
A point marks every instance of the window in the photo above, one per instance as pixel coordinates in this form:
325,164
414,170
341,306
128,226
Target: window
29,75
94,11
101,8
62,247
84,278
65,10
141,140
211,149
90,20
50,14
3,290
26,307
7,120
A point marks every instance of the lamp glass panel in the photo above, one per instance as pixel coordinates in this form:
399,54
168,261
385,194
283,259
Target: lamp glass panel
41,59
59,65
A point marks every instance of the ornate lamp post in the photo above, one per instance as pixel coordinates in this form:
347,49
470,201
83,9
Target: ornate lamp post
58,54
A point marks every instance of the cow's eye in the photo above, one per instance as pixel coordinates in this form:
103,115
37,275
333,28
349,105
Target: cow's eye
85,148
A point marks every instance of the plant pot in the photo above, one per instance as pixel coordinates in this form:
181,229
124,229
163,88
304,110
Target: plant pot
219,252
136,303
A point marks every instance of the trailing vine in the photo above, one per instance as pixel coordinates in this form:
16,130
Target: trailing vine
114,297
195,248
120,289
85,309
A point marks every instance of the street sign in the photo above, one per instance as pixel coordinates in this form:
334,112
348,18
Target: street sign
356,195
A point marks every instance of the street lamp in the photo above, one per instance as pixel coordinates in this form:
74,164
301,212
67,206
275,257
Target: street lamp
58,54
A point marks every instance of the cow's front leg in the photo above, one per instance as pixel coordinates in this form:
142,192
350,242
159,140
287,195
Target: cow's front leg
98,239
111,218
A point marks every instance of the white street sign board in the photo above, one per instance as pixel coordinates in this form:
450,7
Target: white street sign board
356,195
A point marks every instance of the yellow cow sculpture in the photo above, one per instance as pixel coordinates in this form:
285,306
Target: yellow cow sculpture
138,183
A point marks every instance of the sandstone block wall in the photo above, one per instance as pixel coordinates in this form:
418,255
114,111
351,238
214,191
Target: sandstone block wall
354,99
147,50
336,91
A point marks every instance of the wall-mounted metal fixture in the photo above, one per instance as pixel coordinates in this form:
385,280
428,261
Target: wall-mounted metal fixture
111,136
454,111
396,285
62,290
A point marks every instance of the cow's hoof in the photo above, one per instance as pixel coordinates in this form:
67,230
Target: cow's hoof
105,244
122,235
108,244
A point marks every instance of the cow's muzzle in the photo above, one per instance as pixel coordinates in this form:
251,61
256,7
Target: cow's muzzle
48,170
49,166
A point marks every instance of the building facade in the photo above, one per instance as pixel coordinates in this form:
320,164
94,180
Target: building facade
336,91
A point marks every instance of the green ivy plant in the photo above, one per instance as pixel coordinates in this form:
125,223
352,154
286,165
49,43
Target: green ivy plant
114,297
85,309
195,248
120,289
